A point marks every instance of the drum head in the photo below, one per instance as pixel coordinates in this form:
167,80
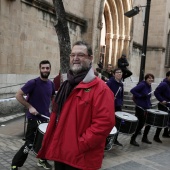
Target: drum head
113,131
126,116
42,127
157,112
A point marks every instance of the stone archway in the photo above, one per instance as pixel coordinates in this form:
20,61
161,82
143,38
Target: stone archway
116,30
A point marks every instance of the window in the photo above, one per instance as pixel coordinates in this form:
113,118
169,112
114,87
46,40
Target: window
167,54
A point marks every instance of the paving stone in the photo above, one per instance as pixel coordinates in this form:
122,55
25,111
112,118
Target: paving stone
146,157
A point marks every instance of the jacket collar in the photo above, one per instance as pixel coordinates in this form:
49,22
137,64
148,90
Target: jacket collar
89,77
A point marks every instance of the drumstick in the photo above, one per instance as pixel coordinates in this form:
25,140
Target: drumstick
117,91
151,92
43,116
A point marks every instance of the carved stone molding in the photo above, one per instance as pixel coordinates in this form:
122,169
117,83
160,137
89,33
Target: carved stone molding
49,8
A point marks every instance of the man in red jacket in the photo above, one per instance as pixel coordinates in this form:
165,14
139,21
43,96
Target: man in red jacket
82,116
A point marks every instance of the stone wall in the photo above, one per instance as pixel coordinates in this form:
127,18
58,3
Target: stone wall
159,27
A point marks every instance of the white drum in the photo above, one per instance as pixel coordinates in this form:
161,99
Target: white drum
110,139
39,137
113,131
157,118
126,122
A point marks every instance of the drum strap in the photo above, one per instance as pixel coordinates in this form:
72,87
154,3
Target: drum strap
39,122
144,111
140,108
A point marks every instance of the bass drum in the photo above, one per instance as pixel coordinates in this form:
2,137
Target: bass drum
157,118
39,137
126,122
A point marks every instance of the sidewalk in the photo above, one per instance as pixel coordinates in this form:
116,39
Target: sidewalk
128,157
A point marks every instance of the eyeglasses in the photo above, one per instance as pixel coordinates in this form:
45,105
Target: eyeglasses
118,72
79,55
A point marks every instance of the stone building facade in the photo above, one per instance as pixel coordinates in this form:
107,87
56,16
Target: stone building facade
157,56
27,35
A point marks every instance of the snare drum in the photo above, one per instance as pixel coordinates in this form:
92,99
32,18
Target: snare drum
157,118
111,138
39,137
125,122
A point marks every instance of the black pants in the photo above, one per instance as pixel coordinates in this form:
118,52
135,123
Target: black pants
63,166
126,73
21,156
158,130
141,115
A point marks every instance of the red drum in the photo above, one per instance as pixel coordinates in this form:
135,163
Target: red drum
111,138
157,118
39,137
126,122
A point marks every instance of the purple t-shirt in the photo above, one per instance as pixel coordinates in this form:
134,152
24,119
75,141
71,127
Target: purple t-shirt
39,94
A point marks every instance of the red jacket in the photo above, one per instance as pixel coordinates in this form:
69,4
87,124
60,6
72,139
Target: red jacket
87,117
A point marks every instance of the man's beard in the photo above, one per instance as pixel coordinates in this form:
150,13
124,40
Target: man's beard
79,68
44,75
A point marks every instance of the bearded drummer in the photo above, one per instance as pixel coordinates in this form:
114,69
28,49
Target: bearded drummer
39,92
141,96
162,94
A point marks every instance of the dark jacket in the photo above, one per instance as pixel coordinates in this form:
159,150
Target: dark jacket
106,75
140,95
114,86
162,92
122,63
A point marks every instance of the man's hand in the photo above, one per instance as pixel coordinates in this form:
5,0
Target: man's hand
33,111
164,102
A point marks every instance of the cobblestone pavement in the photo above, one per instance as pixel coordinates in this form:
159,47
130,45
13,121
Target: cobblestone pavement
146,157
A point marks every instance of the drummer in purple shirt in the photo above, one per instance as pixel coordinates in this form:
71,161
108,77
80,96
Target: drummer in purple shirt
141,96
116,86
39,92
162,93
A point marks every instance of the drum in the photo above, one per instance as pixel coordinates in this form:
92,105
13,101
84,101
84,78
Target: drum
157,118
39,137
110,139
125,122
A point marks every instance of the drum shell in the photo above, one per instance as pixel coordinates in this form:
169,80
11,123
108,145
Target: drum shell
158,120
126,126
38,139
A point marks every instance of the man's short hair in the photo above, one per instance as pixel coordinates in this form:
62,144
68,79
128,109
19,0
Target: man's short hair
123,55
44,62
89,49
109,65
116,69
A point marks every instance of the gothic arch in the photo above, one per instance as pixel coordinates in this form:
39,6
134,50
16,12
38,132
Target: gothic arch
117,35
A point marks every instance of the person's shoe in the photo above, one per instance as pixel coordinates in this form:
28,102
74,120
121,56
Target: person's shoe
14,168
118,143
44,164
157,139
108,147
133,142
145,140
166,135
